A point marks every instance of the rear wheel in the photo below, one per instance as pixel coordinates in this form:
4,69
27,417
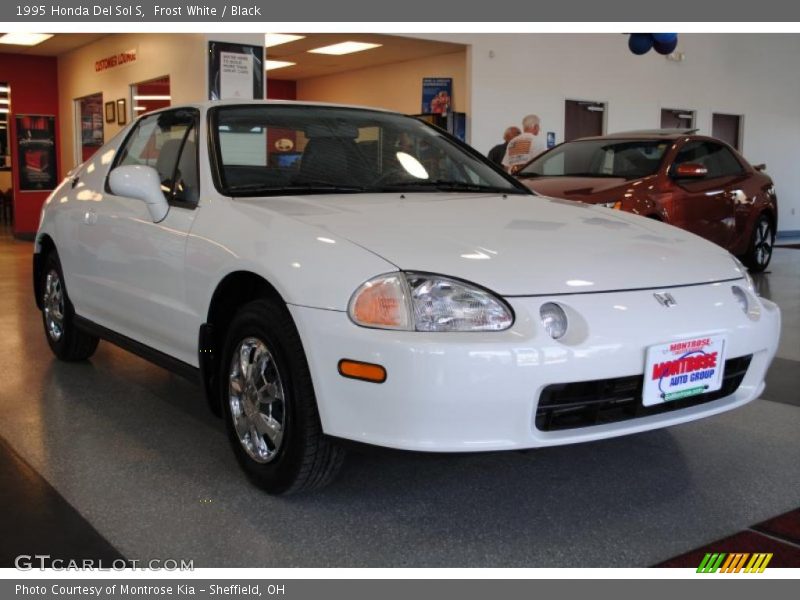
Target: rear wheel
762,240
66,341
269,403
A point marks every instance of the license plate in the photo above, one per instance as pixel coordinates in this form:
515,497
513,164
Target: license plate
682,369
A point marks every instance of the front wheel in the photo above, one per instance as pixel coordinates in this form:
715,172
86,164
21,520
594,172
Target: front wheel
66,341
759,253
269,403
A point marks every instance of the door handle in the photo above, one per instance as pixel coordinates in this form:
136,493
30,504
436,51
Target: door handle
90,217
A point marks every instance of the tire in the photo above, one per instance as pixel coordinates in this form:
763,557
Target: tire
762,240
269,404
66,341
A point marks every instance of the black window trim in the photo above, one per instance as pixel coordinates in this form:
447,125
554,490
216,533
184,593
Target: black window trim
195,124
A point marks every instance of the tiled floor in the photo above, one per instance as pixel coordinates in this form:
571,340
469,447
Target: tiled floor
135,452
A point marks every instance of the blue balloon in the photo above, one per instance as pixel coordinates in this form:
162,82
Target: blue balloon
665,38
667,48
640,43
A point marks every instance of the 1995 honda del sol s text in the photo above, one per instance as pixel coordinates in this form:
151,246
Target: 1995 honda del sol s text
335,273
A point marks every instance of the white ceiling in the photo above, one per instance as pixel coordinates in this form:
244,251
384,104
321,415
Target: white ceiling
394,49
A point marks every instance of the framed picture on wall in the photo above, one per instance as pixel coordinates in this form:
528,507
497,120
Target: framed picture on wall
111,114
36,152
122,112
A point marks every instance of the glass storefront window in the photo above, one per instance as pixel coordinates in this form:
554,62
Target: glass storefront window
150,95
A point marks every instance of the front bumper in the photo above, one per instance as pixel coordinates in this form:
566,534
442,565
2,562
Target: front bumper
456,392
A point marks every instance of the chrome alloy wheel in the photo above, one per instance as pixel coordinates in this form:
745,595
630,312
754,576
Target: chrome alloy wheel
257,401
763,243
53,301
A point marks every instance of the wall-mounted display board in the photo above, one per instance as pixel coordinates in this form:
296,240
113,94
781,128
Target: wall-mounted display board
235,71
36,152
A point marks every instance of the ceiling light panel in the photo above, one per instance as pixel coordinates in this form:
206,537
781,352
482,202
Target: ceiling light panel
345,48
276,39
25,39
269,65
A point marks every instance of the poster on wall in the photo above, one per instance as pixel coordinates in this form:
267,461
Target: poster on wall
437,95
36,152
235,71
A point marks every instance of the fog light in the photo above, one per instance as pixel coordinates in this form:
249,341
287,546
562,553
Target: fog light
554,320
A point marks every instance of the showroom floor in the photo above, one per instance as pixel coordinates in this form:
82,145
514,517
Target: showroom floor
118,456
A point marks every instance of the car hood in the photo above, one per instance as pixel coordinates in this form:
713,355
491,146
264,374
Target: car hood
515,245
585,189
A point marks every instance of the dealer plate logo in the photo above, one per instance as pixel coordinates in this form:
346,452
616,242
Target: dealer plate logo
665,299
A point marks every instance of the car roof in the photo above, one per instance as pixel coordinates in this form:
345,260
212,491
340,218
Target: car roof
236,102
648,134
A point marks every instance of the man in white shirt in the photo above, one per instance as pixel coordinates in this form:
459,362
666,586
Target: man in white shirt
523,147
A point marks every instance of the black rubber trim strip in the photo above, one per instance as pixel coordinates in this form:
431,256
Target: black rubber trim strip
151,354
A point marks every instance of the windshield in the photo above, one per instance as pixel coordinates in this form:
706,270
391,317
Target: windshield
291,149
628,159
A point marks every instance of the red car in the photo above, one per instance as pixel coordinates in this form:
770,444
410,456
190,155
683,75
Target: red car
691,181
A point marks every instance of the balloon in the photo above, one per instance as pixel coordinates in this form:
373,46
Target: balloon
665,38
667,48
640,43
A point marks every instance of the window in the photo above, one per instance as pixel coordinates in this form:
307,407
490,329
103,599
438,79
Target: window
147,96
628,159
718,159
307,149
166,141
89,115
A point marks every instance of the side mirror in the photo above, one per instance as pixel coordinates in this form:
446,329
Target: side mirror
142,183
760,168
689,170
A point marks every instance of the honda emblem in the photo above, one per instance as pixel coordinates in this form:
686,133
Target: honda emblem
665,299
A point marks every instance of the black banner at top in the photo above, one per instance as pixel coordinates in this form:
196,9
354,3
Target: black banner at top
219,11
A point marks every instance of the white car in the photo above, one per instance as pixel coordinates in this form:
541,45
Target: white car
334,273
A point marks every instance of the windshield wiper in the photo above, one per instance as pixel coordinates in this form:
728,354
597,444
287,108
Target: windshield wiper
444,185
310,188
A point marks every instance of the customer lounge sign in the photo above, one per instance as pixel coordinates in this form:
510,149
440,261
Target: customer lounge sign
115,60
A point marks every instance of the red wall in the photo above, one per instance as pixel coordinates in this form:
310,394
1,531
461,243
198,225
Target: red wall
34,90
281,89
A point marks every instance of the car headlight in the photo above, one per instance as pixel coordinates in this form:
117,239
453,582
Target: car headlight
423,302
746,274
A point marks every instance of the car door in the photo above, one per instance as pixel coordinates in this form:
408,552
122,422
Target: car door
705,206
138,265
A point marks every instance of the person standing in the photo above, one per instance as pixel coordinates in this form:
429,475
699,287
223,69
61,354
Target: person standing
497,153
522,148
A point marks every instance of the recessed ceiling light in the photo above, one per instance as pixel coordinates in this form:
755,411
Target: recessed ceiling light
25,39
269,65
345,48
276,39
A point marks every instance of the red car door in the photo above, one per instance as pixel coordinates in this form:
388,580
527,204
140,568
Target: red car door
706,205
